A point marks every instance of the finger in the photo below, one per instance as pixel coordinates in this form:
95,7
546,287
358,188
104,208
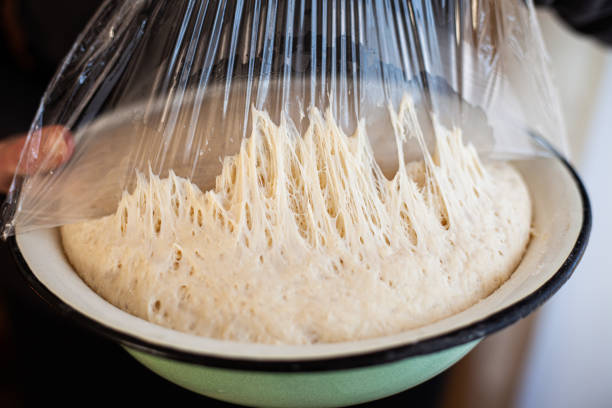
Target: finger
5,182
47,148
10,151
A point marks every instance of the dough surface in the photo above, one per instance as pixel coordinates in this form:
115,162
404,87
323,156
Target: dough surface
304,240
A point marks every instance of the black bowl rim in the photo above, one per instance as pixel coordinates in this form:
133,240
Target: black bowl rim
474,331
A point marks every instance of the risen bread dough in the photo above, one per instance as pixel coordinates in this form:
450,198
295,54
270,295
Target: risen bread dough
304,240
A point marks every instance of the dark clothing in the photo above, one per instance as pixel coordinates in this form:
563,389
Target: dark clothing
591,17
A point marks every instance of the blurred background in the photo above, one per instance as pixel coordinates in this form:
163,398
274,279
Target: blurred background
558,357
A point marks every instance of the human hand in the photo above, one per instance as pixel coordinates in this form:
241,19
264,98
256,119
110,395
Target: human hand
55,147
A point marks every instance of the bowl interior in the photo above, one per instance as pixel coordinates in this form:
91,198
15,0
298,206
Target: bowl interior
559,220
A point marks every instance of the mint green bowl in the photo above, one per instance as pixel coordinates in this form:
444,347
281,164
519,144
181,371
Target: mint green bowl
304,389
339,374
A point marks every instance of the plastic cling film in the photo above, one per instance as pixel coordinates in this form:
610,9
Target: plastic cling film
170,85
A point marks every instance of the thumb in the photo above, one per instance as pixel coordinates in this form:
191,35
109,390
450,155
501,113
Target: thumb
47,148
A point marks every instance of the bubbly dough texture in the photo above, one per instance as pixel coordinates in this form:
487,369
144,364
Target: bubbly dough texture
304,240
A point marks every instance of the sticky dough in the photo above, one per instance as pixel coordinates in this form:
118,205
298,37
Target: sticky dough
304,240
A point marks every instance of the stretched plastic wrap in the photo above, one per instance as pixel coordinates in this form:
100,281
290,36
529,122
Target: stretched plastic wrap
159,85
